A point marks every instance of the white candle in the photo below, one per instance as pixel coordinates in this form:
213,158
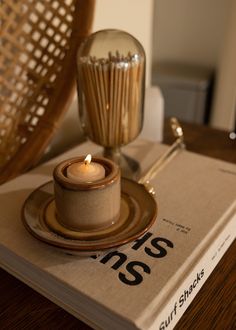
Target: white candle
86,171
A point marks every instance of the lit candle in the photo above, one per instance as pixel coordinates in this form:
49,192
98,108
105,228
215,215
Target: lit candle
86,171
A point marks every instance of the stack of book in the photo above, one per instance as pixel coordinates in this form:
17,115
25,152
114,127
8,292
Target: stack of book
149,283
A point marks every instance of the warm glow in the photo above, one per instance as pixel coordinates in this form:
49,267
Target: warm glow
86,171
87,159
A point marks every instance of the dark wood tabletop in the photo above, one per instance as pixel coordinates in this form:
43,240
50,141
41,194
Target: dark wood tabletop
214,307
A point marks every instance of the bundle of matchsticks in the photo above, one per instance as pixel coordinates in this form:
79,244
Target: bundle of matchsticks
112,91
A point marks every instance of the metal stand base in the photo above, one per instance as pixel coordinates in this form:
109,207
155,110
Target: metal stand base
130,168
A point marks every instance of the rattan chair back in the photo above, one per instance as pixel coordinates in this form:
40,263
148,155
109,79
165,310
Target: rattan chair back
39,39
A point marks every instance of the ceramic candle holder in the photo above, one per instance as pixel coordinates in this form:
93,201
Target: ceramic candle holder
89,205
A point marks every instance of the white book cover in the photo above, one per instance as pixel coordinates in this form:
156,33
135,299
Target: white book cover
146,284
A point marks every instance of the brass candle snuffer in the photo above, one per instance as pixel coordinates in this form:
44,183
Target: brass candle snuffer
171,152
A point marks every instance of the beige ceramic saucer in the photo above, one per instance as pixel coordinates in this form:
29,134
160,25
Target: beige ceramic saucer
138,213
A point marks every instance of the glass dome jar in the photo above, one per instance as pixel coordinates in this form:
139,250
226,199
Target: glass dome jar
111,82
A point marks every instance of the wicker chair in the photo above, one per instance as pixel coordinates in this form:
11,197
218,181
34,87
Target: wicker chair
39,40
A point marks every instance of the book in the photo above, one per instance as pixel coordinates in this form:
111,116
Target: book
148,283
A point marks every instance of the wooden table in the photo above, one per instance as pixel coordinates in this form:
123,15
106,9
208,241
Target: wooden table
213,308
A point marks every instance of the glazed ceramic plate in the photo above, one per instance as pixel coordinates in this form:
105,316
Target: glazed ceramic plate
138,213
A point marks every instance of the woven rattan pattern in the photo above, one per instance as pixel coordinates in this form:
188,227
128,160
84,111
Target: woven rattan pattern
39,39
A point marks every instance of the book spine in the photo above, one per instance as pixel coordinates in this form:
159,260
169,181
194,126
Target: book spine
179,302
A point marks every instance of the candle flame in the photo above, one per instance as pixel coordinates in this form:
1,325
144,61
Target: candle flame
87,159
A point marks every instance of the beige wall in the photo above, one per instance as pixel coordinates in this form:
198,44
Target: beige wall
133,16
190,30
224,108
201,32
